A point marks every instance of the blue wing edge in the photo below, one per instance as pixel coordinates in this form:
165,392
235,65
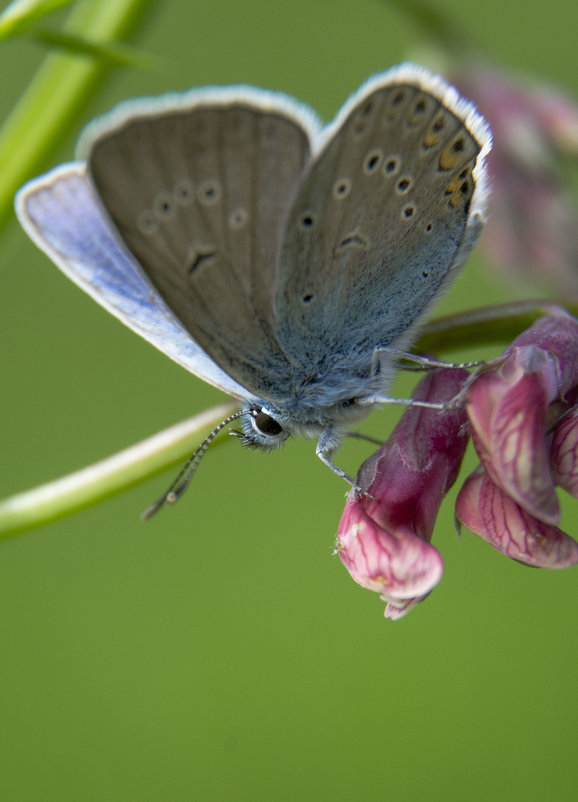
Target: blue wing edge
63,217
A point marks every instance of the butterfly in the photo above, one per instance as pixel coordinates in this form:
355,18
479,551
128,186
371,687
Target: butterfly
284,262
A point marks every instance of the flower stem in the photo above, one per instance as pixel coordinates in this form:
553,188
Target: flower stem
486,325
108,477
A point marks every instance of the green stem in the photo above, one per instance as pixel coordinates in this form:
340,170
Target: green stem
109,476
54,100
487,325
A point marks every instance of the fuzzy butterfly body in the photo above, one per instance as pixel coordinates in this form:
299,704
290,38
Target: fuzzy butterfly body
276,259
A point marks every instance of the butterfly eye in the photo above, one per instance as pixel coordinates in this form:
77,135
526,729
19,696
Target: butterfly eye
265,424
262,430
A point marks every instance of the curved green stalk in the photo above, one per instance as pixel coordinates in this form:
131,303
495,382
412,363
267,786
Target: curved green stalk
19,15
487,325
108,477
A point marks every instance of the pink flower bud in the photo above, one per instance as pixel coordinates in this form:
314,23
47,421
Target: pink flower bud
532,229
383,537
486,510
558,115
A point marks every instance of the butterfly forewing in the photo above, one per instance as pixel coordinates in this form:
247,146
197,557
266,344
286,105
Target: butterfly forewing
199,196
63,216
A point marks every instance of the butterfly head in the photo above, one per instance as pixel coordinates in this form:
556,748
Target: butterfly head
267,428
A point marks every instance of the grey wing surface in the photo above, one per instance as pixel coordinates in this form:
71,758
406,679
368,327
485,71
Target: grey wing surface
199,188
389,209
63,217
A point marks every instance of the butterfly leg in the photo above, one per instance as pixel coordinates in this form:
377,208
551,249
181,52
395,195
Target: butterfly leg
327,445
363,436
382,360
386,354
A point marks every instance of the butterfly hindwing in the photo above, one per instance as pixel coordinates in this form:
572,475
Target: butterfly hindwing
388,210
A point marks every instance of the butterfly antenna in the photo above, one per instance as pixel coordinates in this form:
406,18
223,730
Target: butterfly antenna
182,481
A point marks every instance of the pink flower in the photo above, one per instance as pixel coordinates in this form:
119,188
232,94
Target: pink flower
383,537
526,445
533,225
524,425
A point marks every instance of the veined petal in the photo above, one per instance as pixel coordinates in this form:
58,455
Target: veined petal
397,564
488,512
512,405
565,454
508,410
398,609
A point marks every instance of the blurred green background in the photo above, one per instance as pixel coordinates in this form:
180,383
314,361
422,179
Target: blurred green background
220,651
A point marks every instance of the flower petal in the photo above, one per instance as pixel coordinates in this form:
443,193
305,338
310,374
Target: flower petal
488,512
508,410
398,609
557,334
397,564
565,454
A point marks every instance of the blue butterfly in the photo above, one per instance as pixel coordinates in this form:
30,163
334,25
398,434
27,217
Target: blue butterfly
284,262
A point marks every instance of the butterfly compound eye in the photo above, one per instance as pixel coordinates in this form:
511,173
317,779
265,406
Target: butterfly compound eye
265,424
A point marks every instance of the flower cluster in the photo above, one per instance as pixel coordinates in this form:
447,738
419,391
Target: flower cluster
521,413
531,231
